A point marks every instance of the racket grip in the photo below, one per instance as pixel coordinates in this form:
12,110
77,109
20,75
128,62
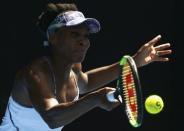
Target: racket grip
111,96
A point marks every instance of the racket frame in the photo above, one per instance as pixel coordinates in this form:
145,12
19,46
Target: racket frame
134,122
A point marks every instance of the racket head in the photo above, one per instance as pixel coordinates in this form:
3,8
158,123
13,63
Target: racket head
129,90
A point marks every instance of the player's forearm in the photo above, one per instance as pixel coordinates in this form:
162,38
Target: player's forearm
65,113
101,76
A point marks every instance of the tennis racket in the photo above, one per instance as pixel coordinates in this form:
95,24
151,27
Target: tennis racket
128,91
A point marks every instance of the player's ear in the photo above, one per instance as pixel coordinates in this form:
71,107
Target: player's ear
52,39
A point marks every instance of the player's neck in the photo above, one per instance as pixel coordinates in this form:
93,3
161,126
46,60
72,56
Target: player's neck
61,68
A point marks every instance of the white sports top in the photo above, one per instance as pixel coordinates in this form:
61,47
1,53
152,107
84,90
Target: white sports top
20,118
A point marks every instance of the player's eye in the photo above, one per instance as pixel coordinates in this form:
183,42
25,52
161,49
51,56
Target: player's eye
86,35
75,34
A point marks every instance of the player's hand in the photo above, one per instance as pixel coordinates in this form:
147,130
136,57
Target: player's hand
102,99
149,53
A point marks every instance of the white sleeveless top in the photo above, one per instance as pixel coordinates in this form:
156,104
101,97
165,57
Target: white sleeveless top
20,118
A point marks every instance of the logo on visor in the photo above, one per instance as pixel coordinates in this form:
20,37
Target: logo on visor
69,16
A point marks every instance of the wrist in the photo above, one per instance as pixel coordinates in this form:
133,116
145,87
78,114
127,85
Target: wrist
136,60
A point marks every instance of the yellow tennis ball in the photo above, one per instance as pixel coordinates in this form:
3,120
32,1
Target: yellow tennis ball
154,104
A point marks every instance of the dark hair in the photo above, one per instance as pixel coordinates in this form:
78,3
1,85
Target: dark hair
50,12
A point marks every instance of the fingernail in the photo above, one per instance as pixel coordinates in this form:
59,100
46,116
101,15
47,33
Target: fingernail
159,36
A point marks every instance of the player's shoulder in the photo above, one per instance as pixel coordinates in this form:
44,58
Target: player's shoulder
36,65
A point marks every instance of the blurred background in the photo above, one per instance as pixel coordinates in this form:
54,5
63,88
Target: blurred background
126,26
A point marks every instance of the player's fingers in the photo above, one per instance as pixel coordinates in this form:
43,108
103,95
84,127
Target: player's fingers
162,59
113,105
108,89
154,40
116,104
163,46
164,52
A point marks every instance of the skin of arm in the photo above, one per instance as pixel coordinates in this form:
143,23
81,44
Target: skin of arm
57,114
96,78
147,54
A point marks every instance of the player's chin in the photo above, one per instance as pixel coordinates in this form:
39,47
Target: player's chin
79,55
79,58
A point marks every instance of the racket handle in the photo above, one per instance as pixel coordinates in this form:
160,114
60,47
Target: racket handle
111,96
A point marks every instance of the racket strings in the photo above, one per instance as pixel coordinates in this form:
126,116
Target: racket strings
129,92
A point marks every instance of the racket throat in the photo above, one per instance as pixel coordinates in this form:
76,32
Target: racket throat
118,96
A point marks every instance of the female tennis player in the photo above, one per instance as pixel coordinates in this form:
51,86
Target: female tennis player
45,94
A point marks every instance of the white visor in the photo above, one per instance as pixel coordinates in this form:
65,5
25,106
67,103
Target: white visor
73,18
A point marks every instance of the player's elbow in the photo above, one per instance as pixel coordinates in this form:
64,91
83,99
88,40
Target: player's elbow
52,121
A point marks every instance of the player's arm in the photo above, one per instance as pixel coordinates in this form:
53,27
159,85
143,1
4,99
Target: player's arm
53,113
95,78
147,54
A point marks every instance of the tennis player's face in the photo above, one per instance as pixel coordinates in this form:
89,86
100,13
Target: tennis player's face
73,43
